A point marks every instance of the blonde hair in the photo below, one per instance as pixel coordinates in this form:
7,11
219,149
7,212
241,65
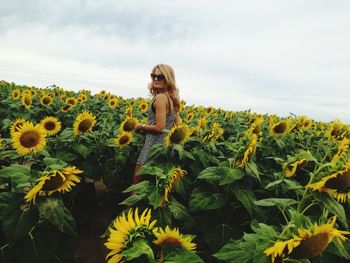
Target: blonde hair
170,84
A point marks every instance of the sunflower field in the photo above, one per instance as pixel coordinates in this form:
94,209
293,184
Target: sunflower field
224,187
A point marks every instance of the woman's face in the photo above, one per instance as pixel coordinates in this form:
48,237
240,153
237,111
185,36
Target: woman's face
158,79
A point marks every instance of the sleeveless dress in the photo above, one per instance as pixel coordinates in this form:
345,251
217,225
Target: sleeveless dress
154,138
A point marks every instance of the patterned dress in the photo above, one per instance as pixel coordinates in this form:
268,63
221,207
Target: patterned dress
154,138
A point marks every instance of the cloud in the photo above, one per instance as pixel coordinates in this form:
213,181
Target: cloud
271,56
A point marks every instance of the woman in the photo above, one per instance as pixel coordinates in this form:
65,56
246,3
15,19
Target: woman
162,113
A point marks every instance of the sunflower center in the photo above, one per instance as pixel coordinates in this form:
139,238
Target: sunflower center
311,246
172,241
177,136
30,139
85,125
280,128
66,107
129,125
124,140
27,101
341,182
50,125
46,100
53,183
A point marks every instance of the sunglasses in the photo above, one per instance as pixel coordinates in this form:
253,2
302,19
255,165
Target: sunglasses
159,77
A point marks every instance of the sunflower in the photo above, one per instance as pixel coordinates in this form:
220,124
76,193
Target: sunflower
113,103
1,140
172,180
123,139
249,152
336,184
54,181
279,129
128,124
83,123
66,107
26,101
342,149
189,117
82,97
51,125
215,133
334,129
128,111
16,94
202,122
173,237
17,124
291,168
143,105
177,135
26,92
127,229
46,100
29,139
72,101
308,243
131,102
194,131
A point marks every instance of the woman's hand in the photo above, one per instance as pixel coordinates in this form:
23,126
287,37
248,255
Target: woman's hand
139,128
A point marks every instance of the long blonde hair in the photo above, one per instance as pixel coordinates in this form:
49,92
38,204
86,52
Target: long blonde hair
170,83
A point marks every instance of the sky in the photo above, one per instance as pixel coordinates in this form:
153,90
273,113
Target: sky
270,56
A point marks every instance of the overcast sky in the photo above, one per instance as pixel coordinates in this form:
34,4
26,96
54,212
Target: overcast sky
276,57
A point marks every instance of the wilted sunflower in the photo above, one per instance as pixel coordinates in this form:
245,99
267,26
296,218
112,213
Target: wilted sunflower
51,125
66,107
174,238
123,139
336,184
172,180
83,123
249,152
128,124
177,135
215,133
29,139
46,100
125,230
202,122
342,149
143,105
26,101
17,124
54,181
291,168
308,243
113,103
128,111
16,94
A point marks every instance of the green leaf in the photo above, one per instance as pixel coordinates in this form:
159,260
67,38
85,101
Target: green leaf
332,206
17,223
225,175
202,199
18,174
235,252
246,197
155,197
178,211
132,200
280,202
218,236
141,187
180,150
54,163
82,149
174,254
139,247
231,176
150,170
54,211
